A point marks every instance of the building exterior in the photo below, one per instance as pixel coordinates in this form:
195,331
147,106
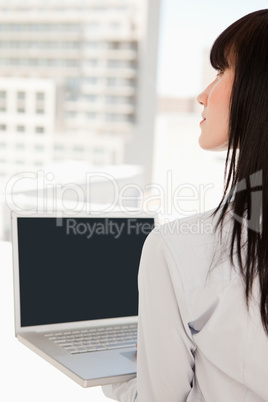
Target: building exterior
27,116
96,54
28,140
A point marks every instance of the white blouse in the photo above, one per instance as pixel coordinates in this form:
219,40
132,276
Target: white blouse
196,339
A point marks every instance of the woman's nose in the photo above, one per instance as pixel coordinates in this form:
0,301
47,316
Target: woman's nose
202,97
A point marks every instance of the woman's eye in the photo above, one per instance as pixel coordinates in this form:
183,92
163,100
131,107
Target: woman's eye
220,72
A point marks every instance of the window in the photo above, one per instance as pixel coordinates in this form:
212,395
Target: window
39,148
92,80
71,63
5,27
39,130
91,115
112,117
20,146
79,149
129,45
72,88
40,110
114,63
21,102
20,95
40,96
118,117
115,26
71,115
91,63
115,100
93,27
92,45
113,45
112,81
23,62
32,62
59,147
91,98
20,129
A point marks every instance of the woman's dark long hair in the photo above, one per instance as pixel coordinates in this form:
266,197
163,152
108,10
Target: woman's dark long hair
244,44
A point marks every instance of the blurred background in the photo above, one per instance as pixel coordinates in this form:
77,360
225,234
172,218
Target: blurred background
102,94
98,108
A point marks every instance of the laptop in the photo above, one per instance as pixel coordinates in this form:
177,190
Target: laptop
76,293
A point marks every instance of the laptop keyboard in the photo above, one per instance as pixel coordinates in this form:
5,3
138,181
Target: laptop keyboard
96,339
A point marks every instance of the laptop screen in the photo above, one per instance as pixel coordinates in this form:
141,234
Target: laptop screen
81,269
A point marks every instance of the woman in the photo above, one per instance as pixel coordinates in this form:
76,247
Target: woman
203,318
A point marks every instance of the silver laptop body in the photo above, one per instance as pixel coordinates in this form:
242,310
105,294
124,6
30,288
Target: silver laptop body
74,276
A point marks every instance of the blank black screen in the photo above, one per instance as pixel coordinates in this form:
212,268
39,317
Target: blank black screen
82,269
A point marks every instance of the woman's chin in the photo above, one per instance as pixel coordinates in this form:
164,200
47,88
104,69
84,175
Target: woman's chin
212,146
